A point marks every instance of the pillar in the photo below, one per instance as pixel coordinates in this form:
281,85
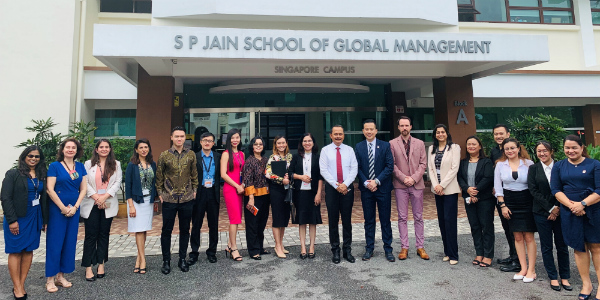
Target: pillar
155,108
454,107
591,123
395,103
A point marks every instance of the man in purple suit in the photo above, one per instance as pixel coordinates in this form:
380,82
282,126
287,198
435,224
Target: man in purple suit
410,163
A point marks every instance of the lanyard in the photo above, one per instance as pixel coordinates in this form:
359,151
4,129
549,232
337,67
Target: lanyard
145,176
36,186
207,169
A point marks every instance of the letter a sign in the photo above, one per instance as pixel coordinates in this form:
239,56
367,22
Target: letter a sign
462,117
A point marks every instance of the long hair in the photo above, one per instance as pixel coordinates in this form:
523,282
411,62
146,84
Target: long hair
110,165
229,147
315,147
250,150
40,168
522,151
546,145
436,143
135,157
577,139
287,147
481,152
60,156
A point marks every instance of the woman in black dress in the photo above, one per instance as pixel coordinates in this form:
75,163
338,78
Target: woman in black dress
307,192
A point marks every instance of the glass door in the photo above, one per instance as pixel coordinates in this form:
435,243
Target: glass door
219,123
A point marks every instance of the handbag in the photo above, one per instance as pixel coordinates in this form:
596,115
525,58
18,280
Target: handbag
290,192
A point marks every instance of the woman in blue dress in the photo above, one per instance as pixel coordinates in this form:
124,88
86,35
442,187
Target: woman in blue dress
67,185
575,183
25,213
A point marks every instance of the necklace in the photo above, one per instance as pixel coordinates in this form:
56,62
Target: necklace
73,173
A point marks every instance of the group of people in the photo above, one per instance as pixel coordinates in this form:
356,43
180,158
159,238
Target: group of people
556,199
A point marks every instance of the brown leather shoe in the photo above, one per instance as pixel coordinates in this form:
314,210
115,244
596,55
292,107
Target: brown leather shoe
403,254
421,253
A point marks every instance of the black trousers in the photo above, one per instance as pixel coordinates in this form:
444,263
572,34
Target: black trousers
447,211
510,238
95,244
546,229
338,204
205,204
255,225
383,202
184,212
481,221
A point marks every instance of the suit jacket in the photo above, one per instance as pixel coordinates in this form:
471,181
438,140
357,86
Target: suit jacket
217,178
484,178
384,165
543,200
448,170
297,167
413,165
133,183
15,195
114,185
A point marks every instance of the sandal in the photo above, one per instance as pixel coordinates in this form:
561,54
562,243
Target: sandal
227,251
63,282
239,258
143,271
484,265
51,287
136,270
476,262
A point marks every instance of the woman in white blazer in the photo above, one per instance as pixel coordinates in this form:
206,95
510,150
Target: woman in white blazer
99,206
443,163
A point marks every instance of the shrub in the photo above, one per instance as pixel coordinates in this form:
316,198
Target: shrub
84,133
594,151
44,138
528,130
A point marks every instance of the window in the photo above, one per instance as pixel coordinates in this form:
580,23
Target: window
115,122
595,4
126,6
520,11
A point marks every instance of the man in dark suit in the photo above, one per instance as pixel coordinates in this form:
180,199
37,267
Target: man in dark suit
375,167
208,199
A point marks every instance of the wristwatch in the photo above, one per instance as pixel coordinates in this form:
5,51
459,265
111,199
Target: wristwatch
583,203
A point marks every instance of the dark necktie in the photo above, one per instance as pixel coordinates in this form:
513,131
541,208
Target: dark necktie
338,162
371,162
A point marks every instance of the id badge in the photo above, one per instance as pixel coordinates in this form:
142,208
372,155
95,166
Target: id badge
101,191
36,201
208,183
145,192
305,185
439,172
241,178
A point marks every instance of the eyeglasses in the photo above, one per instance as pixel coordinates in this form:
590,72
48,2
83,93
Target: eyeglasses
207,141
33,156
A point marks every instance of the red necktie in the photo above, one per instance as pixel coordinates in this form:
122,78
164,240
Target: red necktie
338,162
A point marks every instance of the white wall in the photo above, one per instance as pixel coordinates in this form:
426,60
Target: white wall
36,63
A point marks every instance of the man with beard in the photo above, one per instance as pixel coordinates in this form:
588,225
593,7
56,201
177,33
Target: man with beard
410,162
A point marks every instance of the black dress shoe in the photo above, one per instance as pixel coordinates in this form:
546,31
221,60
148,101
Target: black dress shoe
211,259
513,267
567,287
555,287
336,257
166,267
192,260
504,261
368,255
93,278
183,265
100,275
390,256
348,256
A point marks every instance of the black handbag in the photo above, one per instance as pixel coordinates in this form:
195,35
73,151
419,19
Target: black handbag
290,192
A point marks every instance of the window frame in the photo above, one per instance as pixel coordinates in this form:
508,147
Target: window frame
132,11
539,8
594,10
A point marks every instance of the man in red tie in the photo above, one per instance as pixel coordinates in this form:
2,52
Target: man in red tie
339,168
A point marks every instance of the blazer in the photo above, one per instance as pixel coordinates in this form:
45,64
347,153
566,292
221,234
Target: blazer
297,167
413,165
133,183
14,197
484,178
114,184
217,178
384,165
543,199
448,170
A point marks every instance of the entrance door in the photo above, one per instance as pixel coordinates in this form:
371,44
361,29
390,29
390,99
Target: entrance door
291,126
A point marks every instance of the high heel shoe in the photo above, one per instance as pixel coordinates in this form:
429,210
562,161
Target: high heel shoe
227,251
518,277
239,258
528,280
280,255
311,255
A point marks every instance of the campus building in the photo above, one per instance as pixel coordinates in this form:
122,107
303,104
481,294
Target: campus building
139,67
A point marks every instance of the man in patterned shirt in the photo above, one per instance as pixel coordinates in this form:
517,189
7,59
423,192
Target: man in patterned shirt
176,184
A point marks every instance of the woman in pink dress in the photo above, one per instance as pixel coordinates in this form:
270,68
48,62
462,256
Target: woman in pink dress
232,164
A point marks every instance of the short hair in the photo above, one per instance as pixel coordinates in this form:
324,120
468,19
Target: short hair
176,128
577,139
60,156
370,121
337,125
207,134
481,152
250,150
501,125
405,118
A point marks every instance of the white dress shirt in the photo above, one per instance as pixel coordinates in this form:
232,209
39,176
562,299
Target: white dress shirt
548,170
328,166
307,168
503,179
372,145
